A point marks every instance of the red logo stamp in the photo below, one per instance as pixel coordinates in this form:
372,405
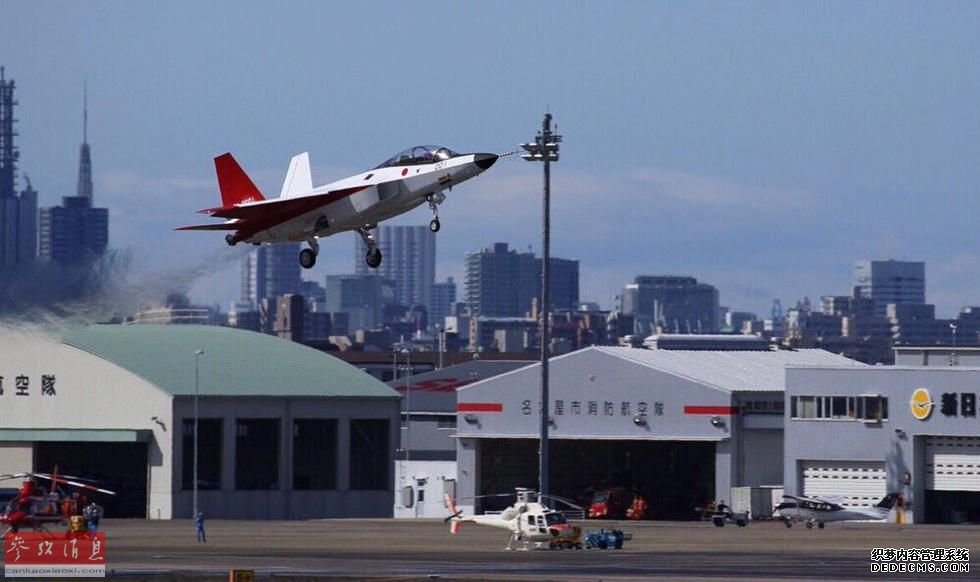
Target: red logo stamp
54,554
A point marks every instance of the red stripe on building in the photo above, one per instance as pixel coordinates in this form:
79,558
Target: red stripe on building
479,407
714,410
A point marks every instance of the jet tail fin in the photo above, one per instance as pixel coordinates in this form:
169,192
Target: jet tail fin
888,502
235,185
298,180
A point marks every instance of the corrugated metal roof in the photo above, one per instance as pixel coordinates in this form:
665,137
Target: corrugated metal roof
733,371
435,391
234,363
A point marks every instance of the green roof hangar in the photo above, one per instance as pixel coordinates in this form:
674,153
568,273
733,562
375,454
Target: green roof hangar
283,431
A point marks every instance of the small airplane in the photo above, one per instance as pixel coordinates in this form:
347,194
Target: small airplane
304,213
528,520
33,507
813,510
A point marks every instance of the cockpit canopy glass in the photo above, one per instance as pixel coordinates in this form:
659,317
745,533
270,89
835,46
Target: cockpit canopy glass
555,518
418,155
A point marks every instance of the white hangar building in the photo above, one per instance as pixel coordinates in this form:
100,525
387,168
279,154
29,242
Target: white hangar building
284,431
681,427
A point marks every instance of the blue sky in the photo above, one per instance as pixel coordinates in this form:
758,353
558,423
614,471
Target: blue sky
762,147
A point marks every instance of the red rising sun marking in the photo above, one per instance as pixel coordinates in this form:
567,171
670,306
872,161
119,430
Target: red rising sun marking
404,171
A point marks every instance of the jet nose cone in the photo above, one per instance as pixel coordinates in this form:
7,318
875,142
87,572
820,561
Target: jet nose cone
484,161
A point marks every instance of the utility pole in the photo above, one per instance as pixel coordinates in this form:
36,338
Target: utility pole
544,148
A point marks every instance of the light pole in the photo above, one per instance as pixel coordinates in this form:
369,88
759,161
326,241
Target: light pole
544,148
197,393
952,355
408,401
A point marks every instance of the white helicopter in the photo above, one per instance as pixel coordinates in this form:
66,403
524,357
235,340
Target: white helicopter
814,510
530,523
359,202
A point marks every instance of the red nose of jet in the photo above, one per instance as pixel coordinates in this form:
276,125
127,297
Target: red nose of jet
484,161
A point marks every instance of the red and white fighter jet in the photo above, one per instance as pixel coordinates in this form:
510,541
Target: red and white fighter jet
304,213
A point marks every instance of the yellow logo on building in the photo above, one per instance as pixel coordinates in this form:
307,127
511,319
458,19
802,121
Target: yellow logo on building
921,404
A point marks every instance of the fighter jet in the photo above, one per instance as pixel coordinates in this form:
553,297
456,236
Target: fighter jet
303,213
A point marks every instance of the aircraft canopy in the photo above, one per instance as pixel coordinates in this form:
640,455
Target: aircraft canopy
422,154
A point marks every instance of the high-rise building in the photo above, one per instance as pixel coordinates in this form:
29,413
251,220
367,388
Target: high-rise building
563,280
361,297
18,210
675,304
269,271
501,282
884,282
75,232
409,260
441,302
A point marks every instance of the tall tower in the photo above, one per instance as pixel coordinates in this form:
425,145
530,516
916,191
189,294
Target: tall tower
76,233
8,152
18,211
85,157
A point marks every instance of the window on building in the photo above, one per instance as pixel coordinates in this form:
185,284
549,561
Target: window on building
804,406
866,408
875,408
256,454
314,454
446,422
208,454
369,458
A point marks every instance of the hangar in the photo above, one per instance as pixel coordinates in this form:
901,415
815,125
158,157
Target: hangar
284,431
861,433
680,426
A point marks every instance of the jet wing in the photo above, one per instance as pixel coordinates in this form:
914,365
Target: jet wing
220,226
284,207
258,216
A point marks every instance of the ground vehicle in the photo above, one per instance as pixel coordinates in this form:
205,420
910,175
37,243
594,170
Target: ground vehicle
617,503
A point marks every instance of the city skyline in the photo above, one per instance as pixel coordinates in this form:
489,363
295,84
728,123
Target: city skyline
762,150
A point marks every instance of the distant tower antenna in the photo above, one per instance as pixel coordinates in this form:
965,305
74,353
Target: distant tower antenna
85,157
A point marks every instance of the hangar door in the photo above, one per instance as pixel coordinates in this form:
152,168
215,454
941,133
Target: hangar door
858,483
952,479
119,467
953,463
674,477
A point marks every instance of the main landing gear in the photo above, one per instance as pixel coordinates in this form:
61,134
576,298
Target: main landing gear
373,256
307,257
434,200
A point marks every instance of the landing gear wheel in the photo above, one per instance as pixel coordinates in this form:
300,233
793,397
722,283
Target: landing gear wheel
230,239
307,258
809,525
434,225
789,523
820,525
373,258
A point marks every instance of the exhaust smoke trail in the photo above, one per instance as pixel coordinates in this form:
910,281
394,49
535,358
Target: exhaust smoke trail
51,297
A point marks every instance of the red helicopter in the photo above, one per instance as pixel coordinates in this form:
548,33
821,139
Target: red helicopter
33,506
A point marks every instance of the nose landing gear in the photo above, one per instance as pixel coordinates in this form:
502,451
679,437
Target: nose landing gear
434,200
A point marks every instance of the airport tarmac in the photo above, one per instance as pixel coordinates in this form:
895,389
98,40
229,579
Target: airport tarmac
402,550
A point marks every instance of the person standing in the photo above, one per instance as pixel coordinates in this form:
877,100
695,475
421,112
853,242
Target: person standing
199,526
93,514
